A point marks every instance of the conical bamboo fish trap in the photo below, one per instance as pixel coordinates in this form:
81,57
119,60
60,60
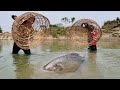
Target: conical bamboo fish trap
30,29
80,34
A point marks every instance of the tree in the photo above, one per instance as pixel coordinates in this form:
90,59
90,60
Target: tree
0,30
67,20
118,20
72,19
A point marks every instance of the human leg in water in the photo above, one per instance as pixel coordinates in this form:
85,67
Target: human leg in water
92,48
16,49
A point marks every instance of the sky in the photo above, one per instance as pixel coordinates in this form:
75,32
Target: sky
55,16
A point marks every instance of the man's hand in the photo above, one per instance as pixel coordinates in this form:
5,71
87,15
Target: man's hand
84,25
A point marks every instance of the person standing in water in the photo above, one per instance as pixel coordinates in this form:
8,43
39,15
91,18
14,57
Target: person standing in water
27,24
92,36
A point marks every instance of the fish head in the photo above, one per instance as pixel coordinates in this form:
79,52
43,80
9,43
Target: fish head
53,67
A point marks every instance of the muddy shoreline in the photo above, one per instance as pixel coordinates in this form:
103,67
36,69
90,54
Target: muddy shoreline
8,36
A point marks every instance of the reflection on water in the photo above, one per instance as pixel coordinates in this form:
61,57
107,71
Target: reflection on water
23,67
60,45
91,68
0,46
109,44
105,63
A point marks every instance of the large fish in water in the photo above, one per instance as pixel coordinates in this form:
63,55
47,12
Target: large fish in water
67,63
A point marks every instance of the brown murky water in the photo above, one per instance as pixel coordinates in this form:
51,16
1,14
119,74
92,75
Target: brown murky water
103,64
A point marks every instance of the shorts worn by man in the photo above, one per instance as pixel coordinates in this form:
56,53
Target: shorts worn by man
16,48
92,36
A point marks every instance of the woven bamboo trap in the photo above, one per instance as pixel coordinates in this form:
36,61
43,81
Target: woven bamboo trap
80,34
30,30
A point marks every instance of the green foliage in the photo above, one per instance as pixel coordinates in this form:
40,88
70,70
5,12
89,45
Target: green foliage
57,30
0,30
67,20
111,24
72,19
54,34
